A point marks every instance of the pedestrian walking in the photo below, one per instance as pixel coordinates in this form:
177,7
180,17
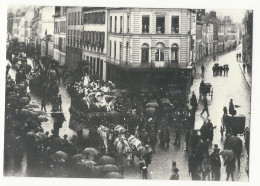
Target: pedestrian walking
175,175
193,166
237,56
205,107
206,168
177,136
193,101
226,70
187,139
202,88
59,101
43,104
230,167
215,163
202,70
244,67
210,130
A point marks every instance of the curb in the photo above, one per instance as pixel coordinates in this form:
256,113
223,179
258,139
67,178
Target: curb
248,84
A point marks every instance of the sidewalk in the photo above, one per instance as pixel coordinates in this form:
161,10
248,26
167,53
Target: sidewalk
247,75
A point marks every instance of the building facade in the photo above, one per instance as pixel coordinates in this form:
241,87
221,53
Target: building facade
60,32
74,37
46,29
149,45
95,40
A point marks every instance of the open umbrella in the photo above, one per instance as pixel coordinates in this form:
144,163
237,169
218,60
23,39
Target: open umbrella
26,112
110,168
227,154
151,110
152,105
42,118
104,160
77,158
62,155
30,135
24,99
113,175
88,164
166,101
90,151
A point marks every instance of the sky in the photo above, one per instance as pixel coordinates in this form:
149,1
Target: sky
236,15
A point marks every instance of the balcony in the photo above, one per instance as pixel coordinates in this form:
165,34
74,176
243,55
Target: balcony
152,64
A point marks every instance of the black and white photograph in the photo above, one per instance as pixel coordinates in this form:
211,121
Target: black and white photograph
113,92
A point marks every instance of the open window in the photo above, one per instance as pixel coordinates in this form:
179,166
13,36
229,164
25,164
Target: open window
174,53
145,53
145,24
175,24
160,24
159,53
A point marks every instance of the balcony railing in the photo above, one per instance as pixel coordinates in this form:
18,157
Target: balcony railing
150,64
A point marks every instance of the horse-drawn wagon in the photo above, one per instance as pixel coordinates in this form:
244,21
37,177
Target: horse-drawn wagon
234,124
208,90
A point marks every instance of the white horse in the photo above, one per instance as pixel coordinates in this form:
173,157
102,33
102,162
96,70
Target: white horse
136,145
123,150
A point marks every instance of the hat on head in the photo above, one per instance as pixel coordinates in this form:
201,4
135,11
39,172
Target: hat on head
216,147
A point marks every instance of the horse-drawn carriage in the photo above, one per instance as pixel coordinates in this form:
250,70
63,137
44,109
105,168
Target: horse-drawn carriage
234,124
208,90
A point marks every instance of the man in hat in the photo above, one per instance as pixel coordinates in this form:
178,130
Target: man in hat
65,137
205,107
175,175
193,101
215,163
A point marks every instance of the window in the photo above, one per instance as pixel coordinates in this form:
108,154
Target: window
120,51
98,66
114,49
145,53
101,68
110,23
175,24
91,68
69,19
78,18
174,53
160,24
159,53
145,24
115,23
110,48
126,53
128,21
121,23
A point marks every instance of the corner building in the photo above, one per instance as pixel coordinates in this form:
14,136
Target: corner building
148,47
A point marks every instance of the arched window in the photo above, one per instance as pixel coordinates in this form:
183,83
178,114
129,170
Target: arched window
174,53
145,53
159,53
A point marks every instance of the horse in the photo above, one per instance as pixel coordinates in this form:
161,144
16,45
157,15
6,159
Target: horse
105,136
234,143
123,149
136,145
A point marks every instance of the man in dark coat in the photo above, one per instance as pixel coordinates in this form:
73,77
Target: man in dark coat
187,138
193,165
202,88
215,163
205,107
193,101
202,70
43,105
231,108
210,130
